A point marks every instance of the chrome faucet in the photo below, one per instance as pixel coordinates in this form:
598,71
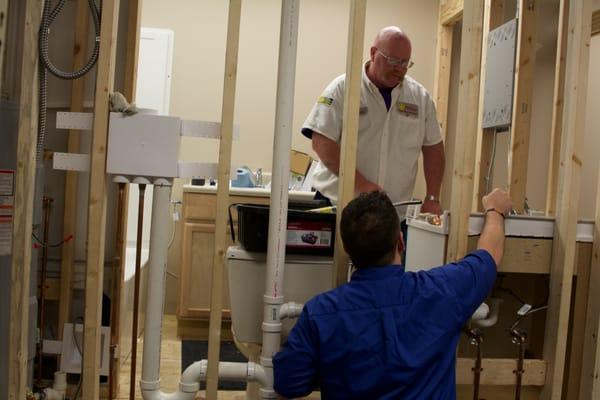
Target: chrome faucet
258,178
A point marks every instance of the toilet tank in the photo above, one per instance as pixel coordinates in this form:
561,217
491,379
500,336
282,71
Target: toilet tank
304,277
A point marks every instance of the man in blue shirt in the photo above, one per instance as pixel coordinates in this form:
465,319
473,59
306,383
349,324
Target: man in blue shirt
389,334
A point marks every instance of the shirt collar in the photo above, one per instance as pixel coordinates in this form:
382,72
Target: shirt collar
377,273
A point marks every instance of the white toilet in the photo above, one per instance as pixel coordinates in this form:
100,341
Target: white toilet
304,277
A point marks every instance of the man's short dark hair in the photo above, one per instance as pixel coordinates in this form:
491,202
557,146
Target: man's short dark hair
370,229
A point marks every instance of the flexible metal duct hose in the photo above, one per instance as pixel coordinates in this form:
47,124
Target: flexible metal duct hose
48,17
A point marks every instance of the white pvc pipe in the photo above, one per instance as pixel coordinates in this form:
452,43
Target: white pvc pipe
290,310
273,298
492,316
157,263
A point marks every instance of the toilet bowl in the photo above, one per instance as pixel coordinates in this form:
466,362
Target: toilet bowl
304,277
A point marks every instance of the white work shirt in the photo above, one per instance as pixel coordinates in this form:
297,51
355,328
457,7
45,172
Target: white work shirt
389,141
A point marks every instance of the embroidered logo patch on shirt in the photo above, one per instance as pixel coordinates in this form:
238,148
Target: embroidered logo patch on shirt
410,110
325,100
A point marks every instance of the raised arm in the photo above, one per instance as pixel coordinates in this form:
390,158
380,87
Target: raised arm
433,168
497,205
329,153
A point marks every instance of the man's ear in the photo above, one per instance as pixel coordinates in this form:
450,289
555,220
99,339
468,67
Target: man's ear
400,243
373,51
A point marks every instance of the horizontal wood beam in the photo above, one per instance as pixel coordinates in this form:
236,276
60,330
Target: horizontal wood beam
500,371
451,12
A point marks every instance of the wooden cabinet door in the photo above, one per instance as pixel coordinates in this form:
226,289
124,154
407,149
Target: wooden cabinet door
196,271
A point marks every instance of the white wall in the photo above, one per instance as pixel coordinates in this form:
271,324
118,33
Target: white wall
198,63
200,29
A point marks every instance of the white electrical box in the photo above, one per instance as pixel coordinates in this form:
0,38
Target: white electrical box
143,145
72,345
500,75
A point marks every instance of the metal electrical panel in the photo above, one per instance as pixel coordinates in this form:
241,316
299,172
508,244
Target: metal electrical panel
500,75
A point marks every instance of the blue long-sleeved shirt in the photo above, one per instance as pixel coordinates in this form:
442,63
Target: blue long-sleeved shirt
387,334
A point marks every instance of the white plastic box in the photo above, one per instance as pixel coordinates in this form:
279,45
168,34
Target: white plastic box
143,145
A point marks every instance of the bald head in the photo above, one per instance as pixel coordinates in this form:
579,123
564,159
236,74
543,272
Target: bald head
390,57
390,35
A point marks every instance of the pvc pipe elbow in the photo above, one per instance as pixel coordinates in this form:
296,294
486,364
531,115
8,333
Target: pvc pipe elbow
492,316
481,313
195,373
290,310
257,373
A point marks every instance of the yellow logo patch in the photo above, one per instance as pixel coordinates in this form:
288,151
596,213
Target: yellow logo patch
325,100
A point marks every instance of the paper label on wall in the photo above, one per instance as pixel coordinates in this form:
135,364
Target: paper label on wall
7,182
6,205
5,235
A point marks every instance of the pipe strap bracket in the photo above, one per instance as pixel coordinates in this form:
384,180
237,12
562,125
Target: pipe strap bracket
149,385
189,387
271,327
273,300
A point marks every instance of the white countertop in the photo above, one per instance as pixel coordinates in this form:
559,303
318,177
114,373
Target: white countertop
255,192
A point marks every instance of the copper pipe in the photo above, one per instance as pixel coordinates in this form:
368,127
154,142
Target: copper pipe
136,292
47,201
476,338
115,295
519,338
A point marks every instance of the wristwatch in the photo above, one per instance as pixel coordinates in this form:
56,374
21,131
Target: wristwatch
431,197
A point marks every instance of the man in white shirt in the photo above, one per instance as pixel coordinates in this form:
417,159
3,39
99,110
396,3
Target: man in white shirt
397,122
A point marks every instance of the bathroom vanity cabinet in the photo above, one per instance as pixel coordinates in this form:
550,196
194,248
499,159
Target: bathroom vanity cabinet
197,245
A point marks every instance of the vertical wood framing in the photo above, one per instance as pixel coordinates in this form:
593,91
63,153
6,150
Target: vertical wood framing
577,333
492,18
590,366
464,155
134,12
557,107
564,243
216,295
522,98
356,33
97,201
3,20
80,50
441,84
134,20
23,211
